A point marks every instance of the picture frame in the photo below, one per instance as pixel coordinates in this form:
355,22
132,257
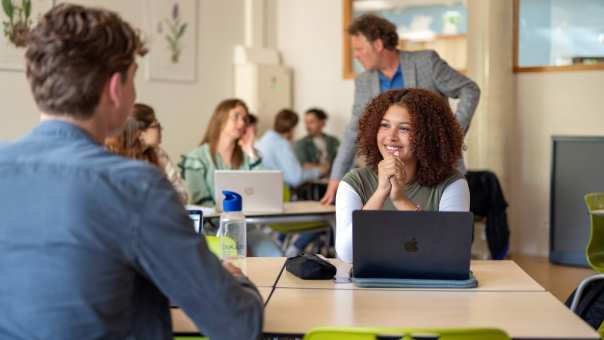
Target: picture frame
567,41
172,39
12,58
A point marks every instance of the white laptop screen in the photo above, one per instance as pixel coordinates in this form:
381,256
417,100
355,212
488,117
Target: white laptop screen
261,190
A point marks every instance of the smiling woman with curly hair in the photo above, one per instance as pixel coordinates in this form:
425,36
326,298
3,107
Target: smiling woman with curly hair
411,142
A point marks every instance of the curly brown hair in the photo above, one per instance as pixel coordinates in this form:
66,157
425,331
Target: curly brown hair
128,143
374,27
71,54
436,137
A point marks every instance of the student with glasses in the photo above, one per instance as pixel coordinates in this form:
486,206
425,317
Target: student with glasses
141,139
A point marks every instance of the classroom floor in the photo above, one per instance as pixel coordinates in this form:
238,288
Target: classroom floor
557,279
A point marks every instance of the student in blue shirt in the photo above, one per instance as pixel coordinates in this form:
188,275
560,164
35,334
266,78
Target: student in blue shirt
277,151
94,245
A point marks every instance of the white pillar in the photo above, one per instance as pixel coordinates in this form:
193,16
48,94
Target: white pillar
490,52
254,23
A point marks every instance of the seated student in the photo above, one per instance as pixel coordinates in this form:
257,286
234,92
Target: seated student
278,154
140,140
94,245
222,148
316,148
411,142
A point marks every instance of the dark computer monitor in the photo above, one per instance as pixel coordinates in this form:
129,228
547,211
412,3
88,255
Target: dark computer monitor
577,168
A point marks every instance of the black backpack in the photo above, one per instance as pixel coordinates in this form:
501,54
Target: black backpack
591,303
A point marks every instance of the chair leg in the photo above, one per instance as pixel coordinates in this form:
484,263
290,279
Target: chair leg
581,287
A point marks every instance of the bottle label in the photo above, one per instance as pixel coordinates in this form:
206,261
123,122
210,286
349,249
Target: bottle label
228,247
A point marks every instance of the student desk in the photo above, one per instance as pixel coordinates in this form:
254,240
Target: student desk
491,275
523,315
182,324
293,212
262,271
507,298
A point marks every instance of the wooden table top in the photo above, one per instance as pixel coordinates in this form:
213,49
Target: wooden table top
525,315
491,275
181,323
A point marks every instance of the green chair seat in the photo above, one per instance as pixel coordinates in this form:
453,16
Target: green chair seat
287,228
343,333
594,252
595,247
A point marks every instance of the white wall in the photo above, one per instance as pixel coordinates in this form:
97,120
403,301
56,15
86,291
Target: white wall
309,36
183,108
547,104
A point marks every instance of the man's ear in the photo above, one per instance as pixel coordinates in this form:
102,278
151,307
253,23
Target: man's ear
115,87
378,45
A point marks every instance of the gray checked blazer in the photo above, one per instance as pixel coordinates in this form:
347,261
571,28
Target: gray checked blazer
423,69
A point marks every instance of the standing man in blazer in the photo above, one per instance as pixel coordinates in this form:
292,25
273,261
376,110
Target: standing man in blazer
374,40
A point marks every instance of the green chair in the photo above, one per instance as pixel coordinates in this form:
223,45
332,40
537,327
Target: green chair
595,247
342,333
290,229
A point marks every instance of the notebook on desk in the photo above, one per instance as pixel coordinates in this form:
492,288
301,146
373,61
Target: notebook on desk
412,249
261,190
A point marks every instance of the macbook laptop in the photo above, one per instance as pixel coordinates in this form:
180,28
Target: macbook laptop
424,245
261,190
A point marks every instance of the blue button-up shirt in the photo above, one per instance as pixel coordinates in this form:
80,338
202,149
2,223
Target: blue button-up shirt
278,154
92,244
397,81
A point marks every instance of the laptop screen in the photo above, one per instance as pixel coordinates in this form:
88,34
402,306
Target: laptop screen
260,190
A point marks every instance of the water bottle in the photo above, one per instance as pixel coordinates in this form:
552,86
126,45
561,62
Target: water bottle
232,231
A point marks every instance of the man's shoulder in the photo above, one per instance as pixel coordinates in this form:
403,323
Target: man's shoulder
304,140
365,77
123,167
273,140
418,55
332,139
80,168
117,170
421,58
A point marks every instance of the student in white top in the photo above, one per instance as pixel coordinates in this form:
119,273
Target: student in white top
411,142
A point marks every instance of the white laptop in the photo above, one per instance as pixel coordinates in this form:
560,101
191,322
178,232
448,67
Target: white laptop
261,190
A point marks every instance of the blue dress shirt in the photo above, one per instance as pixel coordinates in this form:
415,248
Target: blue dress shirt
92,245
278,154
397,81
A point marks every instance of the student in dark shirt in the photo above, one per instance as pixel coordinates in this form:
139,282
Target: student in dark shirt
93,245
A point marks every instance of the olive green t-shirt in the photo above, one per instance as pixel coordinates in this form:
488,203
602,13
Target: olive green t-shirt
365,181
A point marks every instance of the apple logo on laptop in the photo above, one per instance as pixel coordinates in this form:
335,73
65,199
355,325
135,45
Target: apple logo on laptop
249,191
411,246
